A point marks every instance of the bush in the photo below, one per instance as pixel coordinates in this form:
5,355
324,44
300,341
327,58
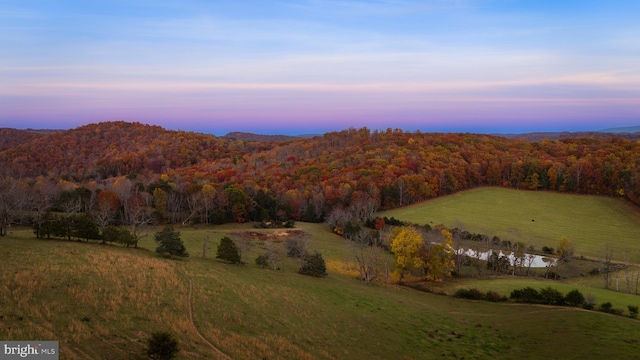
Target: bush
162,345
574,298
548,250
551,296
313,265
526,295
494,297
472,294
606,307
633,311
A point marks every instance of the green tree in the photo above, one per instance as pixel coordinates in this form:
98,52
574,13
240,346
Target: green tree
406,246
169,242
313,265
162,345
110,234
239,203
85,228
228,251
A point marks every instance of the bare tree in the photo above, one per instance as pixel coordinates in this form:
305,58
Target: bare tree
362,206
608,254
274,255
105,210
338,218
529,258
175,205
12,199
296,246
42,195
243,244
365,250
137,216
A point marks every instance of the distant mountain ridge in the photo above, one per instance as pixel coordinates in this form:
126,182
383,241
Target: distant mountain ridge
13,137
602,135
245,136
628,129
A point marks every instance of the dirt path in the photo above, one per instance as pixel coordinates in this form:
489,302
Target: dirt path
219,354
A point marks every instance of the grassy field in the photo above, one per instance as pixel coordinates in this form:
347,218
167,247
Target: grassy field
102,302
537,218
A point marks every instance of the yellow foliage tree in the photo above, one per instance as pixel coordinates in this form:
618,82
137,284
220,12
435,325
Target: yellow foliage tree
160,202
565,249
406,245
439,260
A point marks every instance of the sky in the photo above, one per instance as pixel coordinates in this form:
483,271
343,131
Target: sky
313,66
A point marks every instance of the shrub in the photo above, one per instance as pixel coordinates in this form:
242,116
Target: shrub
548,250
574,298
606,307
313,265
162,345
494,296
551,296
472,294
633,311
526,295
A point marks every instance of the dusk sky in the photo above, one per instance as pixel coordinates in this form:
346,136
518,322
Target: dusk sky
312,66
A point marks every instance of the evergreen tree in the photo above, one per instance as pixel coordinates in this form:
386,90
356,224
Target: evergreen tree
228,251
162,345
313,265
84,228
169,242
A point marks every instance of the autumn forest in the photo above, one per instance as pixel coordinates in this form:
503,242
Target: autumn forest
113,169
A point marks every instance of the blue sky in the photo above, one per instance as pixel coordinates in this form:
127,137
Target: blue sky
313,66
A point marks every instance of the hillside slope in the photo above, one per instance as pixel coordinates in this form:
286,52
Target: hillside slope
117,148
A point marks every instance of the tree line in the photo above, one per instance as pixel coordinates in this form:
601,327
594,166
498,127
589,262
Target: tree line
136,170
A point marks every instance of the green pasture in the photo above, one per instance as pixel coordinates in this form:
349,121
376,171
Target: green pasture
537,218
102,302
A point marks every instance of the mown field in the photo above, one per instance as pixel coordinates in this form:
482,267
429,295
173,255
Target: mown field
102,302
537,218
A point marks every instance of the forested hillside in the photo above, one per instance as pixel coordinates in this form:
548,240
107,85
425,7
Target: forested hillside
100,151
11,137
184,176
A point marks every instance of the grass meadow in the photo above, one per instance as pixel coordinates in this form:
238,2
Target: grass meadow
102,302
537,218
